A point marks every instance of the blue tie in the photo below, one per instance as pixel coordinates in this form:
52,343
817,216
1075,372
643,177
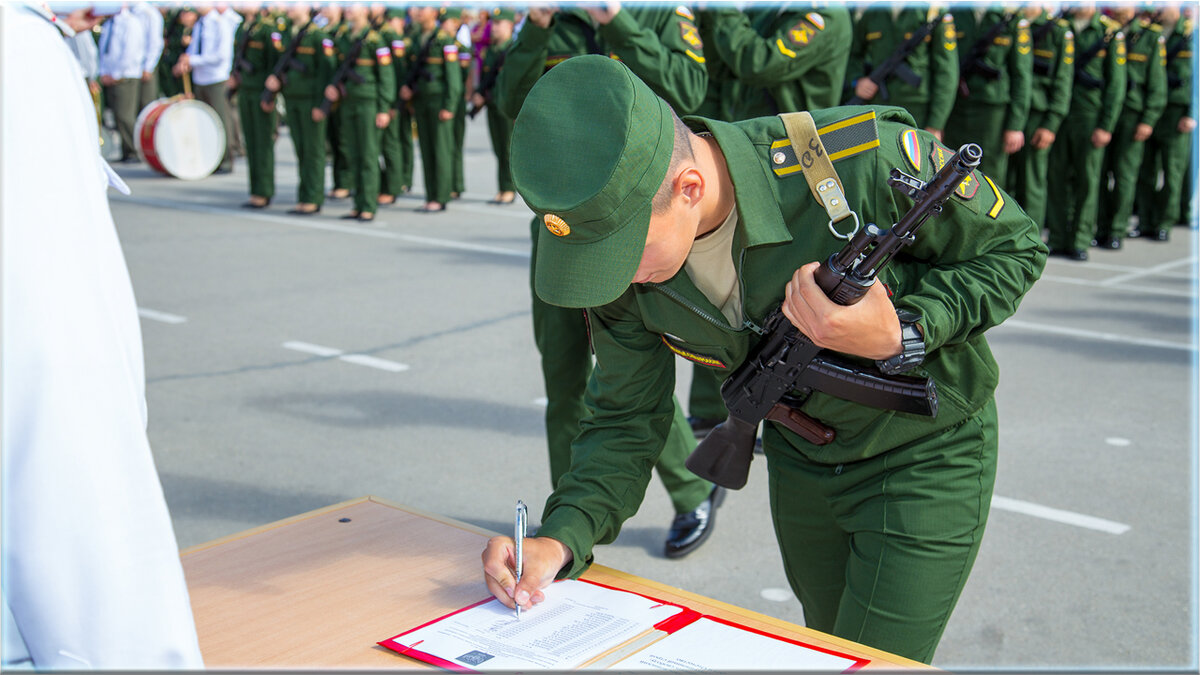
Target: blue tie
199,37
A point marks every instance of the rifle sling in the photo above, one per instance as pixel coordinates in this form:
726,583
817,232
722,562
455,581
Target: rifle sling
822,179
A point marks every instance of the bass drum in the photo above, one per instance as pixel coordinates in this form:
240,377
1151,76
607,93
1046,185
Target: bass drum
180,137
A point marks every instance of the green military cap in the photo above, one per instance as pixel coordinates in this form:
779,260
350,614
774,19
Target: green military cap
395,13
504,14
590,148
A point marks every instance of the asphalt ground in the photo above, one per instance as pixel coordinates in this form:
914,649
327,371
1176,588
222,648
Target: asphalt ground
295,362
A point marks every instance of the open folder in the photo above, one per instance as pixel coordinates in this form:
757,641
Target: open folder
585,625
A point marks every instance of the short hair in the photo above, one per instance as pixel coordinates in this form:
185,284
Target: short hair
682,151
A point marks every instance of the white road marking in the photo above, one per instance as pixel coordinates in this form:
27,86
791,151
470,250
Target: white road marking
155,315
777,594
357,359
1094,335
1058,515
1147,290
1118,442
541,402
1149,271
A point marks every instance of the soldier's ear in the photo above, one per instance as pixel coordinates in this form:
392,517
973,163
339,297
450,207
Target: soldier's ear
689,185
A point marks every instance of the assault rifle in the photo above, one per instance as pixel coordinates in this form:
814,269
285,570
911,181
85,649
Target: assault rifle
786,361
420,72
486,85
897,64
287,62
240,63
1085,57
973,61
1041,66
346,71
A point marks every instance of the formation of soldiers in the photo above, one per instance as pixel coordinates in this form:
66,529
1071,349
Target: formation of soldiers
1091,106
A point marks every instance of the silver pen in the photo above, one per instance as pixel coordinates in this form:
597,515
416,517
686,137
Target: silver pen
519,529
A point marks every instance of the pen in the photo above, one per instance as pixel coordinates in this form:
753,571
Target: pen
519,528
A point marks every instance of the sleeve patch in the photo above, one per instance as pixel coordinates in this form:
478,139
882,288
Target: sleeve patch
910,147
450,51
686,13
801,33
816,20
938,156
384,56
690,34
327,45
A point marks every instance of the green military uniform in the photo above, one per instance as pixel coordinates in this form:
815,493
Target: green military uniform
1167,151
783,59
257,41
879,528
1145,99
656,44
458,183
879,33
1075,161
1050,99
343,175
995,80
175,39
499,125
397,144
303,91
437,84
718,102
372,92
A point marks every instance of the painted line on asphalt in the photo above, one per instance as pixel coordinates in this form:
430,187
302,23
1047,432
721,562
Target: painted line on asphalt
1147,290
357,359
155,315
1151,271
1058,515
1095,335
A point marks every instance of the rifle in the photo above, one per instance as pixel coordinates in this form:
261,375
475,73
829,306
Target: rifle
1042,66
1178,43
1084,58
287,62
486,85
896,64
420,72
240,63
786,360
973,61
345,71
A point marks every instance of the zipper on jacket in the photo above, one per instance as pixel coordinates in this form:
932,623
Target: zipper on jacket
671,293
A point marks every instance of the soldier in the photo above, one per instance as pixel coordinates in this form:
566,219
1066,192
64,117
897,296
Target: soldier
661,46
922,72
122,54
1078,151
302,83
783,58
366,94
178,29
397,137
1050,99
452,24
254,57
995,72
500,32
152,19
1168,147
343,175
1145,99
878,528
433,89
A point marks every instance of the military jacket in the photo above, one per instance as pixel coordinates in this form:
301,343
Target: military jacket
966,272
1099,81
399,44
376,81
1002,75
1179,64
782,58
1053,69
312,68
493,59
434,72
253,42
1146,71
878,35
718,100
661,46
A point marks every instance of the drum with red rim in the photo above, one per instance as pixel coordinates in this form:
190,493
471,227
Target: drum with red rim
180,137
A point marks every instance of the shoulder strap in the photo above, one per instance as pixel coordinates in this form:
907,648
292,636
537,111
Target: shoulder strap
822,179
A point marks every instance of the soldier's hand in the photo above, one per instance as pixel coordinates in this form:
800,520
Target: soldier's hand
233,82
332,93
1013,141
1101,138
1186,124
273,84
1142,132
317,115
865,88
477,100
146,75
1042,138
405,92
603,15
869,328
937,133
544,557
108,80
541,16
445,115
382,120
267,107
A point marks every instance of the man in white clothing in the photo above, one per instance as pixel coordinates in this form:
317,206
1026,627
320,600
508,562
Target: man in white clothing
209,58
122,54
152,21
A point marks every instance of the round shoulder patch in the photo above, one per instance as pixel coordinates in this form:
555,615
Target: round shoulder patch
557,226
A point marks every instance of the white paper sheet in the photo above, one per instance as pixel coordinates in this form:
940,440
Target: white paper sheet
710,645
576,622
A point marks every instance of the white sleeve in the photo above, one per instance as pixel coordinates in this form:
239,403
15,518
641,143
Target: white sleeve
154,37
91,567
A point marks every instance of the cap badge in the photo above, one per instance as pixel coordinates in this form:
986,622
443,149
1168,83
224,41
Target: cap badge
557,226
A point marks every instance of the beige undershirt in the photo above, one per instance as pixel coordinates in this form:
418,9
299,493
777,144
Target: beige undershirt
710,266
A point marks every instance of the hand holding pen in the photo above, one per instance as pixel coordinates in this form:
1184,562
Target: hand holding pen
541,560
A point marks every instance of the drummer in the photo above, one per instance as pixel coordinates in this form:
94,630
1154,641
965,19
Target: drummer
209,59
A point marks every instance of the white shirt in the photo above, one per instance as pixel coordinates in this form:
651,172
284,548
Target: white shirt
211,50
122,46
152,19
91,569
84,48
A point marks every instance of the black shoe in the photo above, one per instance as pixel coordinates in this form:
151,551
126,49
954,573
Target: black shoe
1108,242
1161,235
1134,233
690,529
252,205
302,212
702,425
353,215
1078,254
224,169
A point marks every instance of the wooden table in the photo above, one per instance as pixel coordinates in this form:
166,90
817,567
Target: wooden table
318,590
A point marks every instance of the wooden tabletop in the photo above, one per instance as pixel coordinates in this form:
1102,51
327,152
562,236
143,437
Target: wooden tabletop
318,590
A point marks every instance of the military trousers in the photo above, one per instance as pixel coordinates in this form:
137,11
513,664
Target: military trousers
436,140
343,175
122,98
704,395
398,153
214,95
983,124
308,138
878,551
1166,155
1075,183
259,128
561,337
1028,171
1122,163
500,130
457,185
361,138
